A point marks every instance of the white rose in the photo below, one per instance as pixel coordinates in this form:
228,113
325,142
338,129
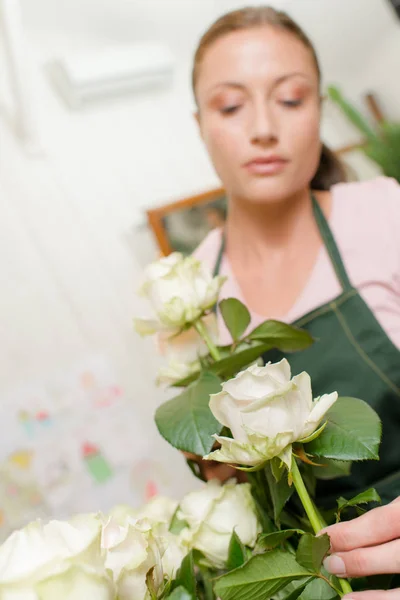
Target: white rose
60,560
213,513
184,350
176,371
179,290
159,509
266,412
136,548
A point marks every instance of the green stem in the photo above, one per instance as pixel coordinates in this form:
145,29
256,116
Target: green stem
312,513
305,498
344,584
203,332
320,517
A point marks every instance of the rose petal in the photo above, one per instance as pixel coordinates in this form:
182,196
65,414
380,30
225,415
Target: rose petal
196,505
78,583
286,457
303,383
147,326
234,452
224,409
257,383
318,412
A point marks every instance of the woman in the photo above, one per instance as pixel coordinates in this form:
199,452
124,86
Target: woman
300,245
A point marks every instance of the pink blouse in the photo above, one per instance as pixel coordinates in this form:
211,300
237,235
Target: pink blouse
365,222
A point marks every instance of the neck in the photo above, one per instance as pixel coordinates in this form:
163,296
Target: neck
259,229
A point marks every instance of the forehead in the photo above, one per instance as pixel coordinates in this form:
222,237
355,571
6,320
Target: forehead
252,54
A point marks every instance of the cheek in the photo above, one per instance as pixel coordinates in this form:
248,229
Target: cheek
224,143
305,134
305,143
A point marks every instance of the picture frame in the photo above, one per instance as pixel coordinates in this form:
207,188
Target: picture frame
180,226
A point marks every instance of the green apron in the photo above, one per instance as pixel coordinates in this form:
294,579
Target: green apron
352,355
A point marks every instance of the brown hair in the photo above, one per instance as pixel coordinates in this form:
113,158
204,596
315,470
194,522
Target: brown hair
330,169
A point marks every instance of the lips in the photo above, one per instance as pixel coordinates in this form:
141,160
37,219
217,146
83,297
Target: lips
266,165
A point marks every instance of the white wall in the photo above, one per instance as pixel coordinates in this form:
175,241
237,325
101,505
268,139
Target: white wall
70,256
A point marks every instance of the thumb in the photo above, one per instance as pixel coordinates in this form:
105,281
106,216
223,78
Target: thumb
378,560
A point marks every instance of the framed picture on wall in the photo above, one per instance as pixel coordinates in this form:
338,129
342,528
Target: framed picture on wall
181,226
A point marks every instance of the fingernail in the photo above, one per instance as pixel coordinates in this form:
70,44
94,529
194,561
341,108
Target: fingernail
335,565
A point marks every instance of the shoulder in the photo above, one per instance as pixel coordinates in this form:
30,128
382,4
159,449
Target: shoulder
365,193
369,205
207,250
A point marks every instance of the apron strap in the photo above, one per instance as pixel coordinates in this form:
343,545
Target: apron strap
329,243
217,266
331,246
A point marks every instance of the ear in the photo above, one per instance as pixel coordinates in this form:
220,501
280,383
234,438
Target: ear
197,118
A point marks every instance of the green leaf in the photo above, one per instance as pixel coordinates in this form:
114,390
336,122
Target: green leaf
237,552
177,524
205,589
370,495
277,468
312,550
269,335
150,584
354,116
236,317
186,421
230,366
180,593
353,432
261,577
282,336
269,541
280,491
185,576
318,589
330,469
313,436
293,590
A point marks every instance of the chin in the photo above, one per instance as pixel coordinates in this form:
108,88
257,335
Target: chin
267,190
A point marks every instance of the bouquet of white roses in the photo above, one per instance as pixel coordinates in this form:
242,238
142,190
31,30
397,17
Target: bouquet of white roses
263,421
128,554
255,540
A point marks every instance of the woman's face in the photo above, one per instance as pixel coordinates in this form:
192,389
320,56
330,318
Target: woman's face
259,113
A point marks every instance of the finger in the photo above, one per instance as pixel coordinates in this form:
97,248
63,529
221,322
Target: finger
219,471
375,527
379,560
374,595
191,456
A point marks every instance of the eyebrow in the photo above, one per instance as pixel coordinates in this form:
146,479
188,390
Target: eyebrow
240,86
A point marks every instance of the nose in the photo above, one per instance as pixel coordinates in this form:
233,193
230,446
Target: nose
264,129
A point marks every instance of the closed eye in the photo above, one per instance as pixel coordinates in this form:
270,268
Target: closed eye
230,110
291,103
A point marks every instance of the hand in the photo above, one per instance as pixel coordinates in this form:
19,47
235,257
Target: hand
368,545
210,469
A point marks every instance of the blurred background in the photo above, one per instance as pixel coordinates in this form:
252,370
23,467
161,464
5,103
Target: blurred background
95,129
